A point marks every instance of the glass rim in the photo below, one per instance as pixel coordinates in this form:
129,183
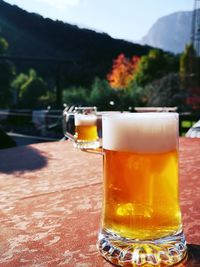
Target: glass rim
111,112
141,114
83,108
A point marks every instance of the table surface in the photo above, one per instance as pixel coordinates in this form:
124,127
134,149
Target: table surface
50,202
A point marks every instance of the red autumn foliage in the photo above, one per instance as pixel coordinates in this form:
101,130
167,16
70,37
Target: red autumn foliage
122,71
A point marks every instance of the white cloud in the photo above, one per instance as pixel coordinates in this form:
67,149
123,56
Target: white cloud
61,4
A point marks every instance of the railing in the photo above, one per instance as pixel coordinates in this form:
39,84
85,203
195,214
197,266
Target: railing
48,123
34,123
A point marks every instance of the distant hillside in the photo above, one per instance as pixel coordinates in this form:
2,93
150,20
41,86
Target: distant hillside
92,53
170,33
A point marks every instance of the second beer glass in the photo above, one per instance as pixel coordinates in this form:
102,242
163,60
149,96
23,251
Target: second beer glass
85,120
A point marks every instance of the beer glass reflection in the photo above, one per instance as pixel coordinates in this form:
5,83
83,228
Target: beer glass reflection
141,217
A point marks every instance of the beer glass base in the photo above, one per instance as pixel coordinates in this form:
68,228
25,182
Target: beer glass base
86,144
165,251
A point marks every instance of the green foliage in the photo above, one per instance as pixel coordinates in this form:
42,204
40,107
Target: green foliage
17,84
30,88
3,46
188,60
188,67
133,96
19,81
103,96
31,91
154,66
75,96
106,98
49,99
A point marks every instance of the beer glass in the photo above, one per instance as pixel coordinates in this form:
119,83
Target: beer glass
141,219
83,121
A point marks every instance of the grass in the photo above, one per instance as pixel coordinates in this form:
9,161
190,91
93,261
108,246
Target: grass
185,126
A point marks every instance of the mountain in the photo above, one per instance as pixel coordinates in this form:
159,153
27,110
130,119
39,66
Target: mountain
84,53
170,33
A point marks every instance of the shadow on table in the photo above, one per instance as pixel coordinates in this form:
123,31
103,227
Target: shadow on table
193,256
21,159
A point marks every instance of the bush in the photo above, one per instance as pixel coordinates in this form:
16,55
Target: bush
165,92
78,96
49,99
103,97
31,91
133,97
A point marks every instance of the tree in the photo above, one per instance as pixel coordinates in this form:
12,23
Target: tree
131,97
31,90
103,96
190,78
48,99
75,96
188,67
3,46
17,83
122,71
7,72
154,66
165,92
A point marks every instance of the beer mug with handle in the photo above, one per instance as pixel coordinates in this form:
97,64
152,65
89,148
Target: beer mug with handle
81,127
141,221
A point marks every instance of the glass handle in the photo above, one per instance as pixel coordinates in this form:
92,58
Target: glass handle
70,136
68,125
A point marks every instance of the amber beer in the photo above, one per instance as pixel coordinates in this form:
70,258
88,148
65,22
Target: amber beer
86,127
142,206
141,199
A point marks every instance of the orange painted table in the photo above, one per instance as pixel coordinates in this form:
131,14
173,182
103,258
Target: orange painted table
50,202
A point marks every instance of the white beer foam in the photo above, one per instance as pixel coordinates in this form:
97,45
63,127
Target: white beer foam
82,119
141,132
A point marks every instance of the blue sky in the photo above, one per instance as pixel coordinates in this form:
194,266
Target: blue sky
125,19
